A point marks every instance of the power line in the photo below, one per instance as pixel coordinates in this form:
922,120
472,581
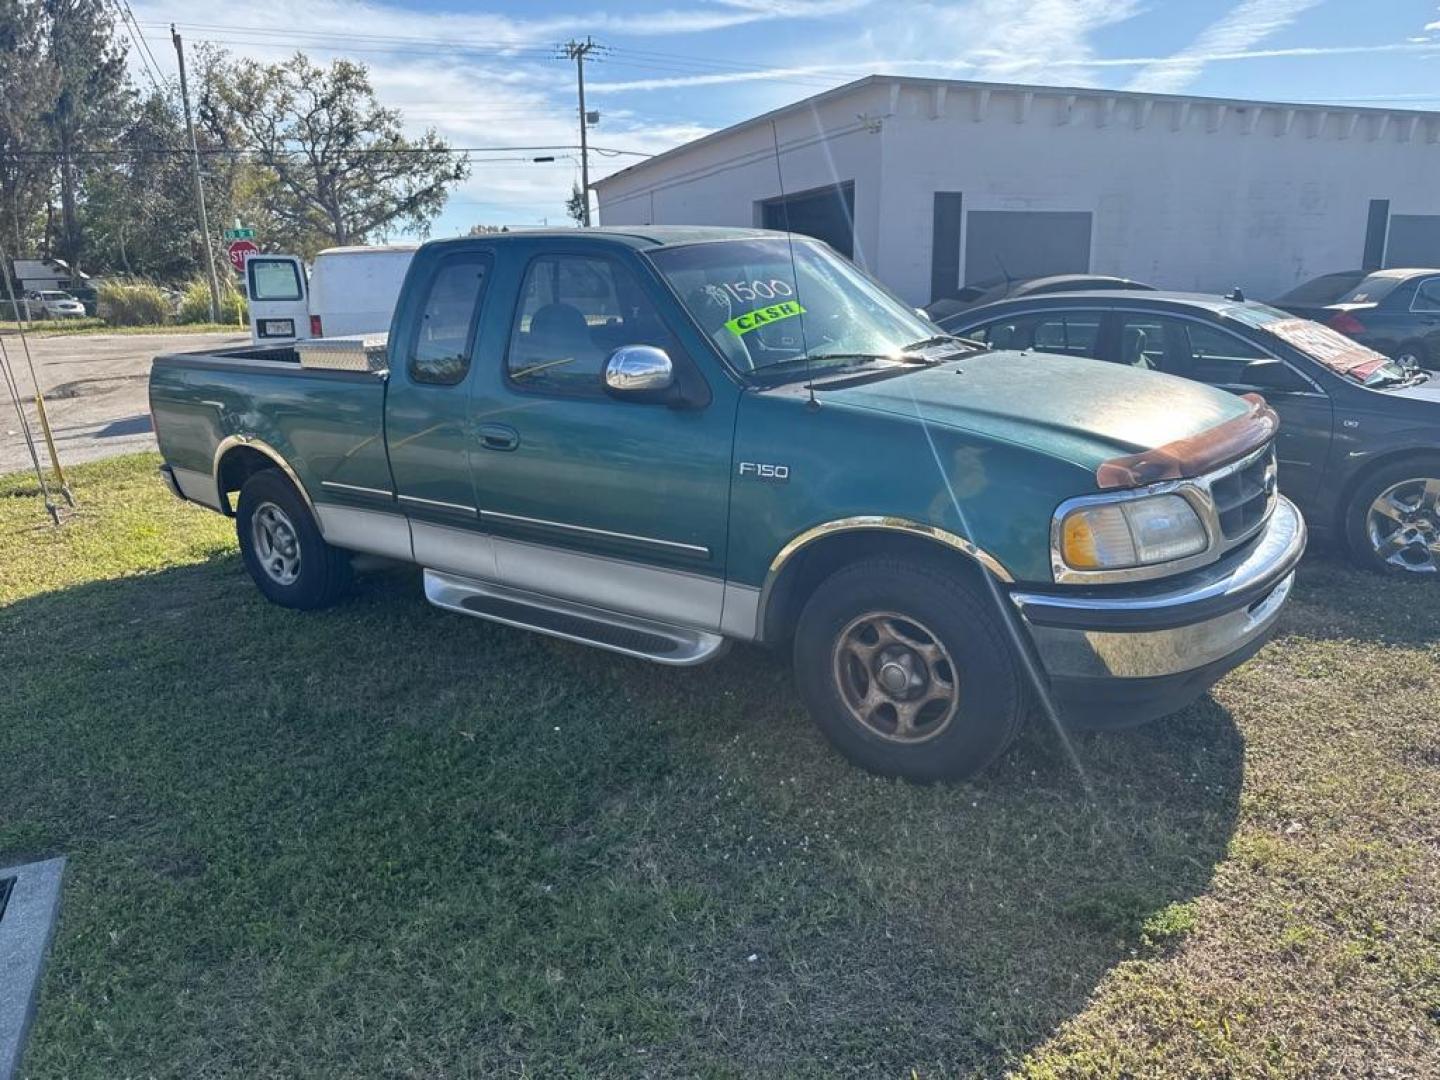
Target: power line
142,47
379,150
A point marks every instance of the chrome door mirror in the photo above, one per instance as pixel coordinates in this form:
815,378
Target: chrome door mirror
640,372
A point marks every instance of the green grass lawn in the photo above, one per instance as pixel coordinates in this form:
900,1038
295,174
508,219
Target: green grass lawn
88,326
385,840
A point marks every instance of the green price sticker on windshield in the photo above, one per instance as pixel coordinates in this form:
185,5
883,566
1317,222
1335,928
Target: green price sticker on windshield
753,320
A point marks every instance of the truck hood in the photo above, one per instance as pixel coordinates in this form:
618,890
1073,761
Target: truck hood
1084,411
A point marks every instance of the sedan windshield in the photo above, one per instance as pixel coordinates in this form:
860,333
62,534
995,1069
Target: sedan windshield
1340,354
774,318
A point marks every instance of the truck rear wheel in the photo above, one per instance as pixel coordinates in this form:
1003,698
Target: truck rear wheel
908,670
282,546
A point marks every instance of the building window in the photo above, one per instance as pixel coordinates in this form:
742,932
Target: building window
1016,244
826,213
1414,240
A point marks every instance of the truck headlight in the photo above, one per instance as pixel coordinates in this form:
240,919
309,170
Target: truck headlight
1134,532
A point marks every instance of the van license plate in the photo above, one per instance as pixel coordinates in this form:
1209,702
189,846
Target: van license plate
277,327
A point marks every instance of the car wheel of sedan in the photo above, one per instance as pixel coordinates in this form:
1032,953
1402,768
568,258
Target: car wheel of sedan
908,670
1393,521
282,546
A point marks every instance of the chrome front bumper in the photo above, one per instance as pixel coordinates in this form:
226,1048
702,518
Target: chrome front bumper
1168,635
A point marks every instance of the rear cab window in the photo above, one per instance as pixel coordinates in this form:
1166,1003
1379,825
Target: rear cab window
444,334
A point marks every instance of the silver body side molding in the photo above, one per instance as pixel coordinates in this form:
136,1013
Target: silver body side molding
585,530
740,616
374,532
197,487
650,592
357,489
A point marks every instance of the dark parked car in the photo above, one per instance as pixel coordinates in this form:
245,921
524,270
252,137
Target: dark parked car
987,292
1396,312
1309,298
1359,443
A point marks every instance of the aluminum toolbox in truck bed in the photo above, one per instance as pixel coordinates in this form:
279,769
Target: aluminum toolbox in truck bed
358,352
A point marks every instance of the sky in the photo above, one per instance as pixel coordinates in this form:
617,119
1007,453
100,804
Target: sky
492,75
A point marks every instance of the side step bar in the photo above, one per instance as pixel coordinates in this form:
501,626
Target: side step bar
626,634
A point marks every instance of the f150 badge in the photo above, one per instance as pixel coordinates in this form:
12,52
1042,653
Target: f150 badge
778,474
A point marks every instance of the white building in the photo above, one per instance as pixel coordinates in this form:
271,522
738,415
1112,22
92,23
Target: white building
933,183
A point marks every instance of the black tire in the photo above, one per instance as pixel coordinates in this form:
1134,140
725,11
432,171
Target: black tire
931,603
1362,544
321,573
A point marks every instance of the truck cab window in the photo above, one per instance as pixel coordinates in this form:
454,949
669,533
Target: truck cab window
441,352
575,311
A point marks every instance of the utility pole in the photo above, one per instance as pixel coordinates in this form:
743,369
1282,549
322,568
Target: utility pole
577,51
199,185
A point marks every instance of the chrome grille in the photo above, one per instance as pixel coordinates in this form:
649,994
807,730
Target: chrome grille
1245,495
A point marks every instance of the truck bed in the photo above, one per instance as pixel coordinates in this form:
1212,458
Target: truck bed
328,425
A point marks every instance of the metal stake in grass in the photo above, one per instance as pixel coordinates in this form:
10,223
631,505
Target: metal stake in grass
13,387
5,266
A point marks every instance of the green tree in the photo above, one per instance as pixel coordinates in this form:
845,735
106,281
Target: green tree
91,106
575,205
139,210
27,88
343,171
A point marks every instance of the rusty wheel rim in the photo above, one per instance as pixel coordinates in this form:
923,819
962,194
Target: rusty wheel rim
897,680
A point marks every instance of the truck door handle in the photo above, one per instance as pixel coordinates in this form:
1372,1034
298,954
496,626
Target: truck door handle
499,437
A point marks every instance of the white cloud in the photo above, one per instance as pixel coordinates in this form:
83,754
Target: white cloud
1247,23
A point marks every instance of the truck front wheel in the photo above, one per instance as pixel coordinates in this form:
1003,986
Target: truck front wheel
282,546
908,670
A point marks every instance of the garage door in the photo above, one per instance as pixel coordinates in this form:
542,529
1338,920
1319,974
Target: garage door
1414,240
826,213
1025,243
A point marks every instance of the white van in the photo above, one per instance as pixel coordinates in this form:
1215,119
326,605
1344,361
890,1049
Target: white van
349,290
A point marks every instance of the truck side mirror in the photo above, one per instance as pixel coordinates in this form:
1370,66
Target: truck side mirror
640,373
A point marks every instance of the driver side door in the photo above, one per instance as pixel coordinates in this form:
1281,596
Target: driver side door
618,504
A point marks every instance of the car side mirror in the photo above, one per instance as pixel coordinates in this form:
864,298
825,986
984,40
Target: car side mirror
640,373
1268,374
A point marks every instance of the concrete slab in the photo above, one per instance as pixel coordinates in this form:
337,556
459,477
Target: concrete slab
96,391
26,926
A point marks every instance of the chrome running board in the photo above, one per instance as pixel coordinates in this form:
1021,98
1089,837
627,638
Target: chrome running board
626,634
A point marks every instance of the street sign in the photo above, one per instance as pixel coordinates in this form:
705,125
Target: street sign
239,251
238,234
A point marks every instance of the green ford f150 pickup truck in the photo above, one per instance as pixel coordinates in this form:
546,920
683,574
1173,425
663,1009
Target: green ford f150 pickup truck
662,440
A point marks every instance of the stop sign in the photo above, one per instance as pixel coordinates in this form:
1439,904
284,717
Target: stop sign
239,251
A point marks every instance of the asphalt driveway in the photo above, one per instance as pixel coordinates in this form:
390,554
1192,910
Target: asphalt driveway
95,391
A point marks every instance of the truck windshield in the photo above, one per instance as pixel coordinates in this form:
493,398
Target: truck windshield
774,319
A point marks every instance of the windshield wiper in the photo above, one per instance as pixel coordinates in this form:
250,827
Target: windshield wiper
865,358
942,339
823,365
